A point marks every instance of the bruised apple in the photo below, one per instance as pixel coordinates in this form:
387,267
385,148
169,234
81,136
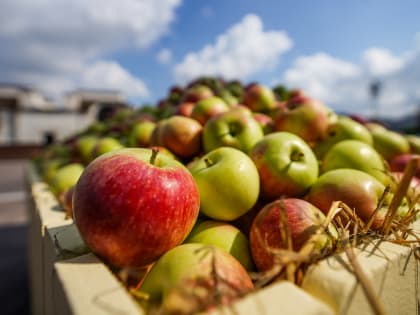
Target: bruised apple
302,220
200,276
134,204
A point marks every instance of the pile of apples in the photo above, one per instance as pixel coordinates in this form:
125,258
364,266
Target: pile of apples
217,180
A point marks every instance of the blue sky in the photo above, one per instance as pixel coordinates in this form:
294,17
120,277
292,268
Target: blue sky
330,49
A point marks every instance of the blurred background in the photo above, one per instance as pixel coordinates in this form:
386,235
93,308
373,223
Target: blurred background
65,64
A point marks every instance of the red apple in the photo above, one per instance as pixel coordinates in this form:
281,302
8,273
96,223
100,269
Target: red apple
302,220
399,162
305,117
133,205
259,98
185,109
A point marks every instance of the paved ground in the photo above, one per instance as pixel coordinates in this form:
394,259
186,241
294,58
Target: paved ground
14,281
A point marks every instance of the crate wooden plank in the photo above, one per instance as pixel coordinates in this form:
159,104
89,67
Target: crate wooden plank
391,269
84,285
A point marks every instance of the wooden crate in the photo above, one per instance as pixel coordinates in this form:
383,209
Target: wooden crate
67,279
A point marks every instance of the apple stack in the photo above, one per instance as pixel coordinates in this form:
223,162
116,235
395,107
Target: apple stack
222,181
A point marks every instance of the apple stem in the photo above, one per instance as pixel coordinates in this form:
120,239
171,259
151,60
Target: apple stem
155,152
208,162
297,156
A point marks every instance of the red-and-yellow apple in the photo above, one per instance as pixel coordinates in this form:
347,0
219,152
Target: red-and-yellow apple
228,182
197,92
399,163
265,121
134,204
305,117
185,109
302,221
286,164
358,190
181,135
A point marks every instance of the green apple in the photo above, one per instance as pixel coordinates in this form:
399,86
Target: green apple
389,143
286,164
204,109
235,128
358,190
228,182
225,236
344,128
66,177
140,133
189,271
105,145
84,147
358,155
259,98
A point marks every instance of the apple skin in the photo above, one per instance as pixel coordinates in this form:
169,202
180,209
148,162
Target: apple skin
389,143
228,182
259,98
141,133
181,135
205,109
84,147
357,155
190,267
185,109
235,128
414,142
225,236
399,163
65,177
303,220
359,190
305,117
265,121
105,145
344,128
129,211
286,164
197,92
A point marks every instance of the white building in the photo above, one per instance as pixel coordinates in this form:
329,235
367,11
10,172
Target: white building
28,117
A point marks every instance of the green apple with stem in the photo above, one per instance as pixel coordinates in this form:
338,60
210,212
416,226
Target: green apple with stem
225,236
235,128
228,182
358,155
286,165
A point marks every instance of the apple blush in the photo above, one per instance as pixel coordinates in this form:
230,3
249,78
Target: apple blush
133,205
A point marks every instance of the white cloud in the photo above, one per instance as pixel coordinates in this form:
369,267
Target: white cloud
345,86
245,49
60,41
164,56
379,61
